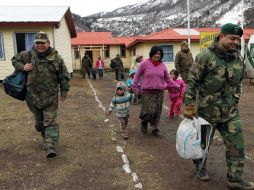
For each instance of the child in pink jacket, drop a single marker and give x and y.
(176, 96)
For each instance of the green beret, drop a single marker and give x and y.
(233, 29)
(184, 43)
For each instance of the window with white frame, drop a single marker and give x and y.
(24, 41)
(168, 54)
(1, 47)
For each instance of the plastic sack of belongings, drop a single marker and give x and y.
(189, 144)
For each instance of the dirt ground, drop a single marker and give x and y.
(87, 157)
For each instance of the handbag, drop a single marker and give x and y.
(15, 84)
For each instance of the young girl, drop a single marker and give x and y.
(120, 104)
(176, 96)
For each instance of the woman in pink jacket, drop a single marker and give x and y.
(176, 96)
(100, 66)
(154, 75)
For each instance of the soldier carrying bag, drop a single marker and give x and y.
(15, 84)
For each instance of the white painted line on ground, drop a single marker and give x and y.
(126, 166)
(96, 97)
(119, 149)
(125, 159)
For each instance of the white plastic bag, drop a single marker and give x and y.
(188, 138)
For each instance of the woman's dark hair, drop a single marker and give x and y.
(174, 72)
(154, 50)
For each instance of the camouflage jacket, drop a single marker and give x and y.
(216, 76)
(183, 61)
(48, 75)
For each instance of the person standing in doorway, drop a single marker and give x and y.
(46, 75)
(100, 66)
(86, 65)
(183, 61)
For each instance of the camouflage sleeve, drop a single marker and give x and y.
(238, 91)
(239, 85)
(195, 77)
(64, 77)
(177, 62)
(19, 60)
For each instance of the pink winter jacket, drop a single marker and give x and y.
(174, 93)
(153, 77)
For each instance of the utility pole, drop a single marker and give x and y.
(188, 12)
(242, 21)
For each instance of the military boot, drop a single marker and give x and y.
(50, 152)
(201, 174)
(239, 183)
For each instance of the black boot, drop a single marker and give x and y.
(156, 133)
(239, 183)
(144, 128)
(50, 152)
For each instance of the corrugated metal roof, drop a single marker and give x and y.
(176, 34)
(99, 38)
(32, 13)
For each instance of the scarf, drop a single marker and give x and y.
(155, 63)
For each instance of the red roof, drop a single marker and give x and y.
(99, 38)
(180, 34)
(171, 34)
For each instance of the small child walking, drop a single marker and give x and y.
(120, 104)
(176, 96)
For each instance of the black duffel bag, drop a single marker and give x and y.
(15, 85)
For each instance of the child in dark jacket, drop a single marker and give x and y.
(120, 104)
(176, 96)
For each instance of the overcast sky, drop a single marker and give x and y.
(81, 7)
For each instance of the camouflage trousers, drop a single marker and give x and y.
(232, 135)
(45, 123)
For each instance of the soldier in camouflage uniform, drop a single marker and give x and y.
(87, 65)
(46, 73)
(216, 75)
(118, 67)
(183, 61)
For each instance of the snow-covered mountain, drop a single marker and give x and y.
(154, 15)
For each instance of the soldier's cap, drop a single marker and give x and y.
(233, 29)
(184, 43)
(41, 37)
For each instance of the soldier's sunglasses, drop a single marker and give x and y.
(40, 43)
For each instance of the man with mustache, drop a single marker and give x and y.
(216, 75)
